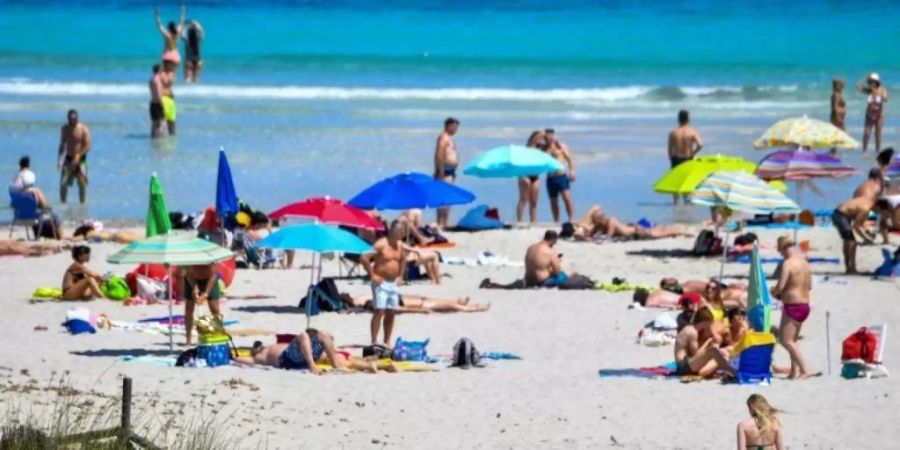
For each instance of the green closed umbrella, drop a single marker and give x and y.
(157, 211)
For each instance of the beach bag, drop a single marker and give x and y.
(410, 350)
(115, 288)
(376, 351)
(862, 344)
(150, 289)
(704, 243)
(578, 282)
(465, 354)
(745, 239)
(567, 231)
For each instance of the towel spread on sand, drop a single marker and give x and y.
(167, 361)
(485, 258)
(622, 287)
(811, 260)
(663, 371)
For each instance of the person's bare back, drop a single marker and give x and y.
(797, 280)
(684, 142)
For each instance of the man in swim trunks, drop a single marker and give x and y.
(793, 289)
(167, 97)
(559, 182)
(74, 145)
(385, 269)
(201, 284)
(300, 354)
(446, 160)
(872, 187)
(877, 97)
(543, 265)
(156, 108)
(691, 358)
(850, 217)
(192, 37)
(684, 144)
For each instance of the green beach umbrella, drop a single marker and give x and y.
(685, 177)
(759, 301)
(157, 212)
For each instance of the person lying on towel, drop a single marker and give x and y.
(596, 223)
(303, 352)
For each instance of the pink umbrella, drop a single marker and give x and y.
(329, 211)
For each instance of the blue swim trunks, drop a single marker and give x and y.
(449, 171)
(291, 358)
(557, 184)
(556, 280)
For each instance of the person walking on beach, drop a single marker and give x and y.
(193, 63)
(877, 97)
(530, 187)
(167, 95)
(446, 160)
(793, 289)
(71, 161)
(156, 109)
(684, 144)
(762, 431)
(838, 107)
(385, 269)
(559, 183)
(170, 34)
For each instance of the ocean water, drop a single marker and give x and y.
(314, 98)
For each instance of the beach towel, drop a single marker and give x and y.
(166, 361)
(497, 356)
(663, 371)
(46, 293)
(745, 259)
(485, 258)
(623, 287)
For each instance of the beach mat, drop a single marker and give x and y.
(745, 259)
(663, 371)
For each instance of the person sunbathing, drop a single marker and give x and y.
(418, 304)
(597, 223)
(429, 260)
(11, 247)
(733, 295)
(300, 354)
(693, 358)
(79, 281)
(89, 231)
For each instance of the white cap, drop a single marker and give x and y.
(874, 77)
(28, 178)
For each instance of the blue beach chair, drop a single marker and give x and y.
(756, 365)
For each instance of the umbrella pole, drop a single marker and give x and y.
(171, 299)
(828, 341)
(724, 253)
(309, 296)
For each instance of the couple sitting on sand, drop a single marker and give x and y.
(304, 351)
(543, 268)
(597, 224)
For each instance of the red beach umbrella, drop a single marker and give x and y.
(329, 211)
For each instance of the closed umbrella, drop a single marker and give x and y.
(801, 165)
(329, 211)
(226, 196)
(157, 213)
(411, 190)
(759, 300)
(316, 238)
(512, 161)
(743, 192)
(685, 177)
(169, 249)
(805, 132)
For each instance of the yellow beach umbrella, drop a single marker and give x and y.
(685, 177)
(805, 132)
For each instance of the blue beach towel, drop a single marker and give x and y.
(666, 371)
(745, 259)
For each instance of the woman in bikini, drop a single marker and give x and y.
(170, 34)
(79, 281)
(530, 187)
(762, 431)
(877, 97)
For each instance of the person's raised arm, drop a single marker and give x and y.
(159, 23)
(741, 439)
(180, 22)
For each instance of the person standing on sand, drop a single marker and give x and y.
(170, 34)
(156, 109)
(385, 269)
(762, 431)
(71, 161)
(684, 144)
(446, 160)
(793, 289)
(201, 284)
(530, 187)
(560, 182)
(193, 63)
(877, 97)
(167, 97)
(838, 106)
(849, 218)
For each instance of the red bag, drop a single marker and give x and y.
(860, 345)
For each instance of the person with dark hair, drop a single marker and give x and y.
(74, 145)
(167, 94)
(170, 35)
(79, 281)
(193, 63)
(693, 358)
(543, 267)
(684, 143)
(877, 97)
(849, 219)
(559, 183)
(838, 104)
(25, 180)
(446, 160)
(201, 285)
(872, 186)
(156, 108)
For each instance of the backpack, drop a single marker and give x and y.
(862, 344)
(707, 244)
(567, 231)
(327, 296)
(377, 351)
(465, 354)
(746, 239)
(410, 350)
(578, 282)
(115, 288)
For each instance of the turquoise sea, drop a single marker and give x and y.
(316, 98)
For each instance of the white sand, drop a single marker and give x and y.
(552, 399)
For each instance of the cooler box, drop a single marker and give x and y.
(214, 354)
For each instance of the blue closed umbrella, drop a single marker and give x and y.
(512, 161)
(226, 197)
(411, 190)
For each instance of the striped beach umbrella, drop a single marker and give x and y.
(741, 191)
(801, 165)
(685, 177)
(805, 132)
(893, 169)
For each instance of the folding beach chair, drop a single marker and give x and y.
(324, 296)
(350, 262)
(26, 212)
(755, 353)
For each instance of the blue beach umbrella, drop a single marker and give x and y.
(512, 161)
(226, 197)
(411, 190)
(759, 300)
(316, 238)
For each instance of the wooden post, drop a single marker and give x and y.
(126, 408)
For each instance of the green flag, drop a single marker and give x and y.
(157, 212)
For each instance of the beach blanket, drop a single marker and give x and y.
(812, 260)
(663, 371)
(166, 361)
(497, 356)
(623, 287)
(485, 258)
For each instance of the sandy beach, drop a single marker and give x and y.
(552, 398)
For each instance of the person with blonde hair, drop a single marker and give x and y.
(762, 430)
